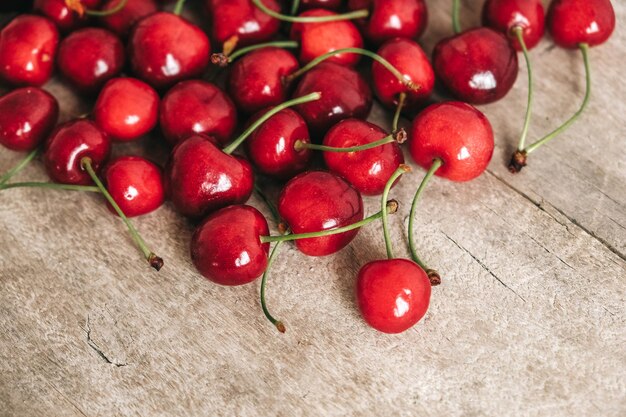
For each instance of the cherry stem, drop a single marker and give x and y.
(153, 260)
(402, 169)
(268, 203)
(396, 115)
(360, 51)
(51, 185)
(294, 102)
(279, 324)
(178, 9)
(433, 168)
(518, 31)
(357, 14)
(295, 5)
(20, 166)
(103, 13)
(397, 136)
(456, 26)
(223, 59)
(392, 207)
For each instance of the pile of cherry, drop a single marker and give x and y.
(290, 70)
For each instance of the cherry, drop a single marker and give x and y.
(505, 15)
(196, 106)
(256, 80)
(392, 18)
(68, 144)
(27, 115)
(62, 15)
(135, 184)
(243, 20)
(573, 22)
(478, 66)
(126, 109)
(318, 200)
(165, 48)
(122, 21)
(27, 50)
(226, 248)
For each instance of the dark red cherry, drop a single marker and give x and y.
(241, 18)
(226, 248)
(458, 134)
(319, 38)
(392, 294)
(28, 48)
(504, 15)
(68, 144)
(573, 22)
(256, 79)
(90, 57)
(165, 48)
(126, 109)
(27, 115)
(345, 94)
(135, 184)
(369, 170)
(478, 66)
(271, 145)
(321, 4)
(59, 12)
(196, 106)
(389, 19)
(316, 200)
(121, 22)
(200, 178)
(408, 58)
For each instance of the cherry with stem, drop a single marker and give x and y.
(20, 166)
(225, 57)
(357, 14)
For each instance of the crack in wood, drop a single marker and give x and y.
(95, 347)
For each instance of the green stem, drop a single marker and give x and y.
(272, 208)
(396, 115)
(295, 5)
(294, 102)
(392, 207)
(279, 324)
(456, 26)
(394, 137)
(103, 13)
(519, 34)
(153, 260)
(20, 166)
(51, 185)
(382, 61)
(357, 14)
(178, 9)
(277, 44)
(402, 169)
(584, 48)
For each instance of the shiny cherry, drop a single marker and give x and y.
(62, 15)
(315, 201)
(505, 15)
(241, 18)
(389, 19)
(68, 144)
(392, 294)
(256, 79)
(122, 21)
(27, 115)
(90, 57)
(457, 134)
(478, 66)
(126, 109)
(28, 47)
(226, 248)
(165, 48)
(200, 178)
(196, 106)
(573, 22)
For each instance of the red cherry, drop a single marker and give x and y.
(90, 57)
(368, 170)
(126, 109)
(344, 92)
(64, 17)
(389, 19)
(256, 79)
(122, 21)
(27, 115)
(135, 184)
(165, 48)
(573, 22)
(321, 4)
(241, 18)
(319, 38)
(196, 106)
(408, 58)
(504, 15)
(28, 47)
(226, 248)
(458, 134)
(271, 145)
(318, 200)
(392, 294)
(68, 144)
(200, 178)
(478, 66)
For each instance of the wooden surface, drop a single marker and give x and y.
(529, 319)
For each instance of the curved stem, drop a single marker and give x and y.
(519, 34)
(402, 169)
(153, 260)
(272, 208)
(294, 102)
(396, 115)
(295, 5)
(103, 13)
(51, 185)
(20, 166)
(399, 136)
(279, 324)
(456, 26)
(178, 9)
(357, 14)
(382, 61)
(277, 44)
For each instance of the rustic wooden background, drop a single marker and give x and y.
(529, 319)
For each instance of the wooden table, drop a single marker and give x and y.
(529, 319)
